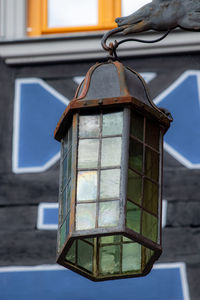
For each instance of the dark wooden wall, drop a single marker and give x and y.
(20, 194)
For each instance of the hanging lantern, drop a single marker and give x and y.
(111, 176)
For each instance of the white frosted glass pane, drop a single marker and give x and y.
(108, 214)
(112, 123)
(130, 6)
(89, 126)
(87, 186)
(85, 216)
(111, 152)
(68, 13)
(109, 184)
(88, 153)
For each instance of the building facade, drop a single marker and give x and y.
(42, 62)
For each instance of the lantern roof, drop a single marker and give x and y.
(112, 79)
(108, 84)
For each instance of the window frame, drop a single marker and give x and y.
(37, 18)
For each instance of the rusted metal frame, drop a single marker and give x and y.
(61, 190)
(97, 138)
(142, 196)
(144, 130)
(78, 269)
(123, 174)
(161, 184)
(100, 231)
(143, 142)
(74, 172)
(118, 233)
(69, 178)
(87, 80)
(125, 162)
(61, 257)
(76, 105)
(95, 258)
(121, 76)
(88, 274)
(118, 243)
(67, 245)
(100, 201)
(152, 260)
(143, 175)
(60, 207)
(95, 169)
(86, 241)
(141, 239)
(142, 208)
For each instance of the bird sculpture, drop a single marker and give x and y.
(163, 15)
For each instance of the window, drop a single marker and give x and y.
(60, 16)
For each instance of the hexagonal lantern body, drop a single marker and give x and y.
(110, 181)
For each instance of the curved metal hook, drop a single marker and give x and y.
(113, 47)
(107, 35)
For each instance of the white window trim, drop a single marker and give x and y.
(40, 219)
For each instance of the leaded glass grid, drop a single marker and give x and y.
(108, 256)
(99, 170)
(65, 188)
(142, 213)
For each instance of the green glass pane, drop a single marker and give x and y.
(71, 254)
(110, 259)
(88, 153)
(151, 164)
(134, 190)
(133, 216)
(85, 216)
(67, 224)
(64, 175)
(112, 123)
(65, 144)
(111, 152)
(70, 136)
(136, 155)
(68, 194)
(64, 204)
(90, 240)
(111, 239)
(150, 201)
(152, 134)
(125, 239)
(69, 164)
(131, 257)
(110, 184)
(108, 214)
(87, 186)
(149, 226)
(137, 126)
(147, 253)
(89, 126)
(85, 255)
(62, 234)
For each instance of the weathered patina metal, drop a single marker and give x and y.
(109, 88)
(131, 90)
(159, 15)
(163, 15)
